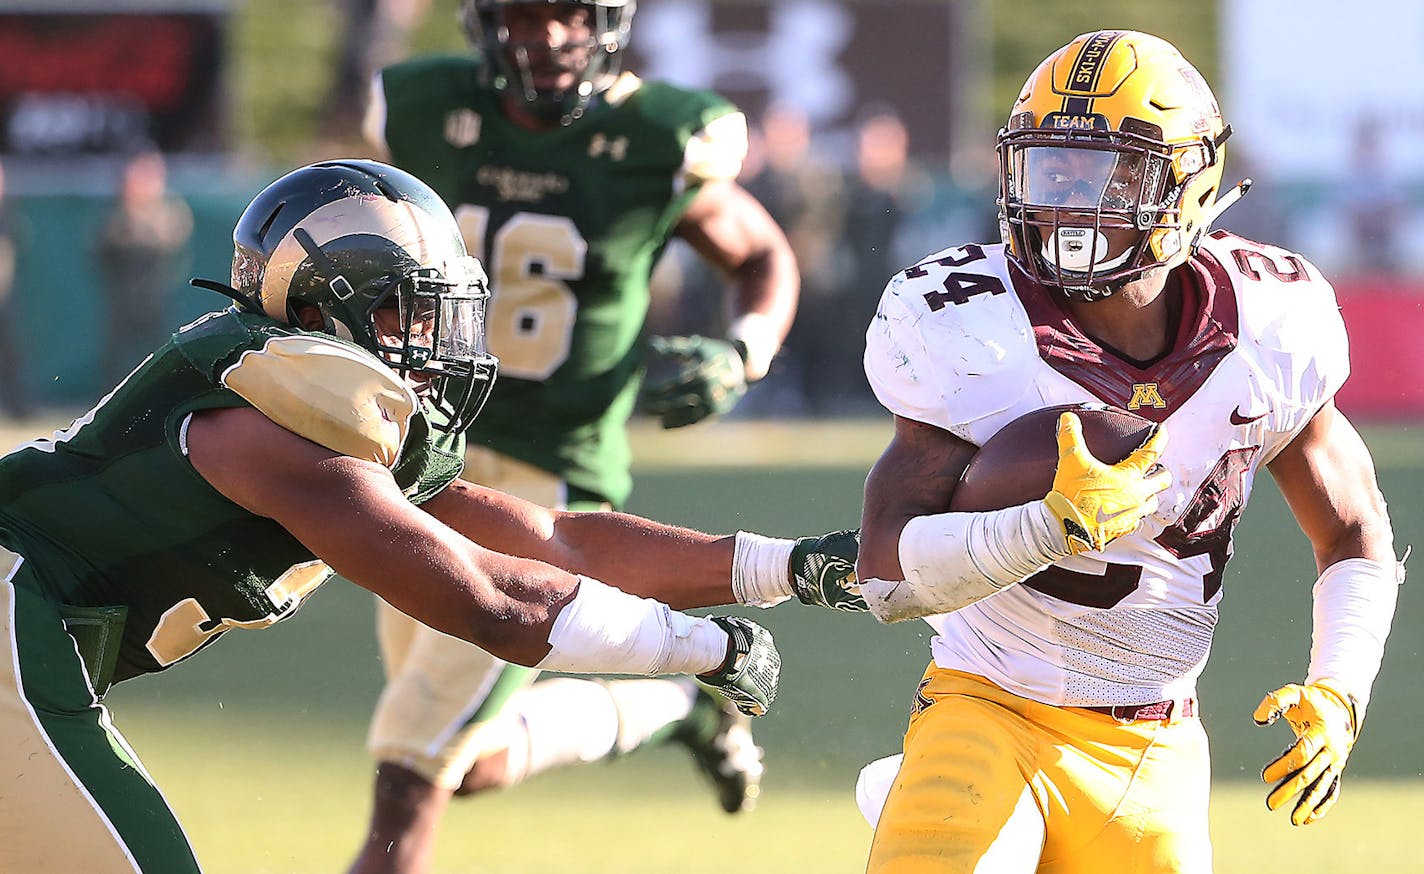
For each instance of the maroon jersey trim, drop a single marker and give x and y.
(1208, 332)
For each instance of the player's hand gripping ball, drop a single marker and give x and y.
(1092, 464)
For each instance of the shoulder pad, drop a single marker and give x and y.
(699, 130)
(1287, 306)
(951, 359)
(626, 85)
(716, 152)
(1290, 324)
(462, 69)
(328, 392)
(424, 85)
(685, 109)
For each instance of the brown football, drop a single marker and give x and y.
(1017, 464)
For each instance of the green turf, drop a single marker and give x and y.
(288, 796)
(257, 742)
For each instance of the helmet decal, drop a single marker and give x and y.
(1087, 70)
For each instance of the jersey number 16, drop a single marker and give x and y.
(531, 314)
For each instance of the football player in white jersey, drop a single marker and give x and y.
(1071, 630)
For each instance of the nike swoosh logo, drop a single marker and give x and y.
(1108, 517)
(1238, 419)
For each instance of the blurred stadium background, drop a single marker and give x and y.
(259, 742)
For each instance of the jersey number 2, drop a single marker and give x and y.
(532, 309)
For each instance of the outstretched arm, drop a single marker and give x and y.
(675, 565)
(679, 566)
(352, 515)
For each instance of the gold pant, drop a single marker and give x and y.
(992, 782)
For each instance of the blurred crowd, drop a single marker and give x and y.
(1356, 226)
(139, 254)
(856, 220)
(853, 219)
(855, 209)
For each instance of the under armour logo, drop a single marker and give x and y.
(795, 61)
(616, 148)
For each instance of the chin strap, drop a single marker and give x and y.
(1223, 203)
(247, 303)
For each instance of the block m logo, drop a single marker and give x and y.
(1145, 394)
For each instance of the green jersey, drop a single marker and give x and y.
(110, 513)
(569, 223)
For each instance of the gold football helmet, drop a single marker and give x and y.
(1110, 163)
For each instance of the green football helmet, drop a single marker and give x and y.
(352, 237)
(512, 66)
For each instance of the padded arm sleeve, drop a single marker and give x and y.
(1353, 612)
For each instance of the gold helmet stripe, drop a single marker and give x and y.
(425, 237)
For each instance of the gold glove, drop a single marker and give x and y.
(1097, 503)
(1324, 721)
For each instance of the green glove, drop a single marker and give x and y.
(823, 571)
(752, 671)
(691, 378)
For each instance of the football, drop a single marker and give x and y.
(1017, 464)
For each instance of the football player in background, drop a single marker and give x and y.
(1056, 725)
(317, 425)
(568, 177)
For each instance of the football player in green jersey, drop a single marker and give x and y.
(315, 426)
(568, 176)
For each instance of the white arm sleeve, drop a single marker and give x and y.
(761, 570)
(951, 560)
(604, 630)
(1353, 611)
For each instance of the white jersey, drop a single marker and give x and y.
(966, 343)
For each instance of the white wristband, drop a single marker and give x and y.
(761, 338)
(761, 570)
(951, 560)
(604, 630)
(1353, 610)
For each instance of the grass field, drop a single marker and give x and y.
(258, 742)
